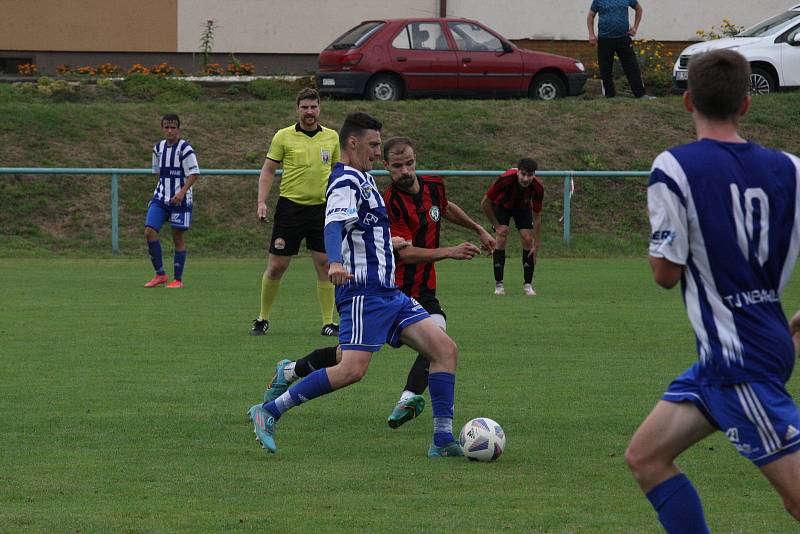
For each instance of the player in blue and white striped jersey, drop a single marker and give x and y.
(372, 310)
(725, 216)
(175, 163)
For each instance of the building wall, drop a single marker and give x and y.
(89, 25)
(278, 26)
(673, 20)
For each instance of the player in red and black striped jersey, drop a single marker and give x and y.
(416, 206)
(516, 194)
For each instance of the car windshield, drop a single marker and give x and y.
(765, 28)
(356, 36)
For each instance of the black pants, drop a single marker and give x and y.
(622, 47)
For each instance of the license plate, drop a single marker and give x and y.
(682, 75)
(328, 82)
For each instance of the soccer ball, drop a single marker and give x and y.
(482, 439)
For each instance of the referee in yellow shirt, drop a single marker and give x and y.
(306, 150)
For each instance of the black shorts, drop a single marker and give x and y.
(523, 218)
(294, 222)
(431, 304)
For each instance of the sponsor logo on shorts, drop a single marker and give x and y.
(416, 305)
(175, 217)
(325, 155)
(791, 433)
(733, 436)
(279, 243)
(434, 213)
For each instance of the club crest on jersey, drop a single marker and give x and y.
(325, 155)
(366, 191)
(434, 213)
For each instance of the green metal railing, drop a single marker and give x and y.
(115, 173)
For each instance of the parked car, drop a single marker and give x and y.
(772, 47)
(395, 58)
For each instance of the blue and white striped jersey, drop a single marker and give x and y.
(729, 213)
(353, 197)
(173, 164)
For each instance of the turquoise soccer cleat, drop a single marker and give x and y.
(278, 385)
(451, 449)
(406, 410)
(264, 427)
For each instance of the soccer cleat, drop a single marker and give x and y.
(175, 284)
(451, 449)
(278, 385)
(259, 328)
(406, 410)
(159, 279)
(264, 427)
(331, 329)
(528, 290)
(499, 289)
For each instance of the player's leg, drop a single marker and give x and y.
(156, 215)
(287, 371)
(426, 337)
(179, 257)
(524, 222)
(630, 65)
(670, 429)
(605, 61)
(784, 475)
(499, 255)
(315, 241)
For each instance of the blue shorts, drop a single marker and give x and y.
(760, 418)
(366, 322)
(179, 217)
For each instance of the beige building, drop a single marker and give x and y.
(284, 36)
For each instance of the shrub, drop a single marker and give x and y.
(726, 29)
(64, 70)
(271, 89)
(109, 69)
(138, 69)
(28, 69)
(86, 71)
(165, 69)
(149, 87)
(63, 91)
(107, 88)
(213, 69)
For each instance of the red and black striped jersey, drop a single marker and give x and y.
(417, 218)
(507, 193)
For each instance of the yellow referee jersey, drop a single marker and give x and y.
(307, 162)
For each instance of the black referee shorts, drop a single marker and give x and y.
(431, 304)
(294, 222)
(523, 218)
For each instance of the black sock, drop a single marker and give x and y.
(499, 257)
(527, 266)
(317, 359)
(417, 379)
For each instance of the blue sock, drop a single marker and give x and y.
(442, 387)
(678, 505)
(154, 247)
(180, 261)
(314, 385)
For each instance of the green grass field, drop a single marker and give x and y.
(123, 409)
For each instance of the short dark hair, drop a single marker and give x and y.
(718, 83)
(528, 165)
(395, 145)
(355, 124)
(307, 93)
(170, 117)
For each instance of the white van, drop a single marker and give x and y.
(772, 47)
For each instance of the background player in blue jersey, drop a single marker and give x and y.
(725, 216)
(372, 309)
(176, 165)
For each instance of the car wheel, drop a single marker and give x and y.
(384, 87)
(547, 86)
(761, 82)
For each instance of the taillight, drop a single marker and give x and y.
(350, 60)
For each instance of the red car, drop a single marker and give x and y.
(394, 58)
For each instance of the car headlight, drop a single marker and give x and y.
(580, 66)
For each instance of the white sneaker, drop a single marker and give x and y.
(528, 290)
(499, 289)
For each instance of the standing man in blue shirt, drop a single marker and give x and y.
(725, 217)
(614, 36)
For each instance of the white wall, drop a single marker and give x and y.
(670, 20)
(284, 26)
(307, 26)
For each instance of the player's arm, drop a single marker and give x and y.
(590, 26)
(456, 215)
(190, 180)
(537, 233)
(265, 180)
(412, 254)
(794, 330)
(665, 273)
(636, 19)
(486, 204)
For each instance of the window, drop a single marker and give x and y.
(421, 36)
(768, 25)
(356, 36)
(472, 38)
